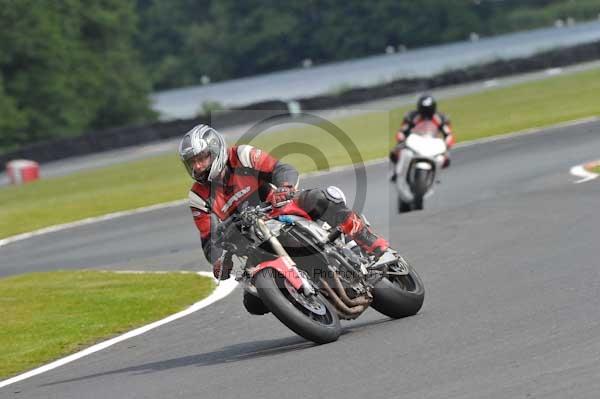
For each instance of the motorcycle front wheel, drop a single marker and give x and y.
(420, 187)
(403, 207)
(310, 316)
(399, 296)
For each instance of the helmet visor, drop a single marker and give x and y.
(199, 165)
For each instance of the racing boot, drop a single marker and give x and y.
(371, 243)
(254, 305)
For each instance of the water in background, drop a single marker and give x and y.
(296, 83)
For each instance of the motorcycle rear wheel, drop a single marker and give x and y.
(399, 296)
(311, 317)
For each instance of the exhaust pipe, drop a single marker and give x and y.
(344, 296)
(349, 308)
(345, 311)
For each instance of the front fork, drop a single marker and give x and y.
(284, 264)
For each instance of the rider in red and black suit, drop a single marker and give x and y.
(247, 176)
(227, 177)
(426, 111)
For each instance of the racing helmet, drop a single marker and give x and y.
(426, 105)
(203, 152)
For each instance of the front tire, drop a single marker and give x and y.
(399, 296)
(418, 203)
(311, 317)
(420, 187)
(403, 207)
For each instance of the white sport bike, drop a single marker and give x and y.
(421, 158)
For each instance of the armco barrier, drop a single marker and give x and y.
(99, 141)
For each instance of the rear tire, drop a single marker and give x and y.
(399, 296)
(313, 318)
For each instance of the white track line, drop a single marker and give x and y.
(583, 173)
(224, 289)
(508, 136)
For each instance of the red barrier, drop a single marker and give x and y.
(22, 171)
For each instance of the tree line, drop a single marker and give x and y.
(68, 66)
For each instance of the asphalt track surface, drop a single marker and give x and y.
(508, 251)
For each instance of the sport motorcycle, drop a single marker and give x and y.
(418, 166)
(310, 275)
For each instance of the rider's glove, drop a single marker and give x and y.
(278, 196)
(400, 137)
(222, 268)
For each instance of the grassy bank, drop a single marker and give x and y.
(79, 308)
(160, 179)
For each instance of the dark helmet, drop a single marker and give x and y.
(426, 105)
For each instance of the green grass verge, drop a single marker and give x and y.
(48, 315)
(161, 179)
(59, 200)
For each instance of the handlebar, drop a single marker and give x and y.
(244, 216)
(225, 225)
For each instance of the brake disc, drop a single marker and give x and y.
(309, 302)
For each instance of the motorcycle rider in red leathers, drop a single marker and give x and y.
(227, 177)
(426, 111)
